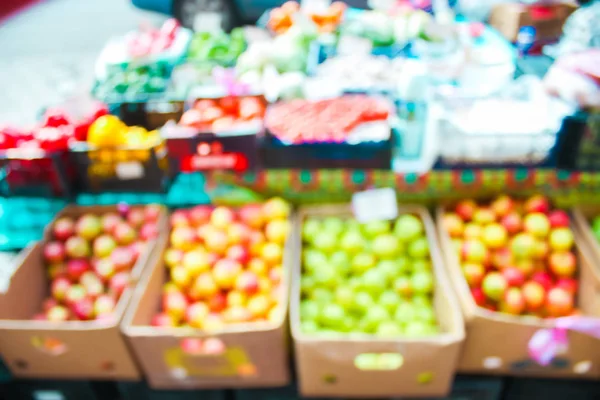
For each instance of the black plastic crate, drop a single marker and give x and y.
(141, 391)
(50, 390)
(551, 389)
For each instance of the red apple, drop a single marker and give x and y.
(77, 247)
(526, 266)
(514, 276)
(200, 215)
(163, 320)
(217, 242)
(103, 246)
(88, 227)
(502, 206)
(561, 239)
(175, 305)
(494, 236)
(236, 314)
(252, 215)
(74, 294)
(568, 284)
(183, 238)
(48, 303)
(544, 279)
(104, 305)
(238, 253)
(54, 252)
(502, 258)
(195, 314)
(238, 234)
(152, 212)
(559, 303)
(217, 303)
(453, 224)
(59, 288)
(484, 216)
(559, 219)
(109, 221)
(472, 231)
(118, 283)
(135, 217)
(534, 295)
(179, 218)
(494, 286)
(563, 264)
(149, 231)
(122, 258)
(540, 250)
(225, 273)
(513, 302)
(57, 270)
(77, 267)
(256, 243)
(58, 314)
(522, 245)
(83, 309)
(247, 282)
(537, 204)
(478, 296)
(512, 223)
(105, 269)
(124, 234)
(63, 228)
(173, 257)
(474, 251)
(537, 224)
(204, 287)
(221, 217)
(137, 248)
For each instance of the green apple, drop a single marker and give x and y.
(408, 228)
(386, 246)
(417, 329)
(421, 265)
(421, 300)
(326, 276)
(403, 286)
(422, 282)
(332, 316)
(340, 261)
(362, 262)
(328, 334)
(333, 225)
(362, 301)
(390, 300)
(321, 295)
(425, 314)
(349, 324)
(388, 329)
(352, 225)
(314, 259)
(390, 268)
(344, 296)
(352, 242)
(375, 228)
(374, 316)
(309, 327)
(325, 241)
(367, 361)
(419, 248)
(310, 228)
(374, 281)
(404, 264)
(307, 284)
(309, 310)
(405, 313)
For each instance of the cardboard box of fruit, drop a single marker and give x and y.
(59, 317)
(520, 273)
(211, 311)
(372, 314)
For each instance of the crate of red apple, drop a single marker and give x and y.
(217, 295)
(72, 289)
(38, 156)
(352, 131)
(217, 133)
(516, 267)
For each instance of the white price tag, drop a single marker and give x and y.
(375, 205)
(48, 395)
(314, 6)
(354, 45)
(321, 89)
(129, 170)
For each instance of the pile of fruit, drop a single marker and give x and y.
(374, 278)
(331, 120)
(89, 261)
(222, 114)
(225, 266)
(109, 131)
(516, 256)
(282, 18)
(217, 48)
(147, 79)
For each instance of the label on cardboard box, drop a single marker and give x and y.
(129, 170)
(375, 205)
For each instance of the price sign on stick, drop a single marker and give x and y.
(375, 205)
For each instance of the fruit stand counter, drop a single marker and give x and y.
(307, 186)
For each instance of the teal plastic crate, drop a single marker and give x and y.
(188, 190)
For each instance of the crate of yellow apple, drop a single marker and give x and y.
(117, 157)
(516, 267)
(218, 290)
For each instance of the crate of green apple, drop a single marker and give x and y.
(71, 290)
(369, 299)
(219, 290)
(516, 266)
